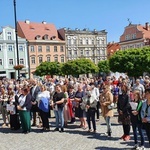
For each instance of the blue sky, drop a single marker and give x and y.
(111, 15)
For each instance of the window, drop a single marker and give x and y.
(11, 62)
(45, 37)
(92, 42)
(69, 41)
(62, 59)
(75, 53)
(93, 53)
(87, 53)
(10, 48)
(32, 48)
(39, 48)
(47, 48)
(22, 61)
(81, 52)
(134, 36)
(103, 42)
(81, 42)
(61, 48)
(1, 63)
(48, 58)
(56, 58)
(103, 51)
(87, 41)
(55, 48)
(32, 60)
(20, 48)
(75, 42)
(98, 52)
(69, 53)
(0, 48)
(9, 36)
(98, 42)
(40, 59)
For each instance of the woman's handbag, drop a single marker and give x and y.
(111, 106)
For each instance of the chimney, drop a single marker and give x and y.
(44, 22)
(27, 21)
(147, 26)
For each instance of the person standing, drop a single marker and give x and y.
(90, 108)
(24, 108)
(106, 99)
(123, 108)
(58, 106)
(145, 113)
(80, 112)
(43, 104)
(4, 102)
(135, 113)
(34, 93)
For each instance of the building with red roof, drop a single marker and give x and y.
(112, 48)
(135, 36)
(43, 43)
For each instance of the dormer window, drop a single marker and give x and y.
(45, 37)
(9, 36)
(53, 37)
(37, 37)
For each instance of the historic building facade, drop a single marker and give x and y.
(135, 36)
(43, 43)
(84, 44)
(8, 54)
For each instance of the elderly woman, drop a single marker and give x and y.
(106, 99)
(145, 113)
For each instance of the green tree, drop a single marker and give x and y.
(79, 66)
(104, 66)
(48, 68)
(134, 62)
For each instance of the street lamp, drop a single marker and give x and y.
(16, 31)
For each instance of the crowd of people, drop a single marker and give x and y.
(24, 102)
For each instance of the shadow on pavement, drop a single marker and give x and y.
(109, 148)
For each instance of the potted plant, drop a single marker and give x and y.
(18, 67)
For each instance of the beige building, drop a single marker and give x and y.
(43, 43)
(85, 43)
(135, 36)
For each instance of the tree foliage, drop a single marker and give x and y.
(79, 66)
(134, 62)
(104, 66)
(48, 68)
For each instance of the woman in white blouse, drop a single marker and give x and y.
(43, 103)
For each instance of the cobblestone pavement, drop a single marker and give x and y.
(74, 138)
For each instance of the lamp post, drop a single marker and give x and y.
(16, 31)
